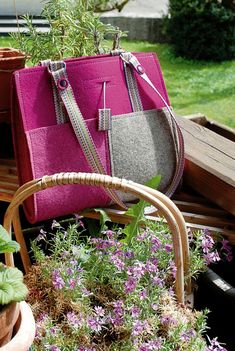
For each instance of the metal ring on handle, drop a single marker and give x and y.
(157, 199)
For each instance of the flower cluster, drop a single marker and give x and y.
(102, 294)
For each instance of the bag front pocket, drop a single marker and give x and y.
(142, 146)
(55, 149)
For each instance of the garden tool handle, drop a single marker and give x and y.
(160, 201)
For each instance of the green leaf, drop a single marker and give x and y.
(103, 217)
(81, 253)
(6, 293)
(137, 212)
(12, 287)
(6, 244)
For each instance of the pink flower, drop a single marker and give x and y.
(130, 285)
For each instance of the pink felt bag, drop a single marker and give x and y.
(105, 114)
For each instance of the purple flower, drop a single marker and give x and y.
(152, 345)
(117, 321)
(168, 247)
(154, 306)
(110, 234)
(187, 335)
(118, 307)
(156, 244)
(130, 285)
(86, 292)
(53, 330)
(69, 271)
(139, 327)
(72, 283)
(73, 320)
(52, 347)
(150, 267)
(94, 323)
(137, 270)
(42, 317)
(119, 264)
(129, 254)
(211, 257)
(142, 236)
(167, 320)
(215, 346)
(135, 311)
(143, 294)
(158, 281)
(57, 280)
(207, 242)
(99, 311)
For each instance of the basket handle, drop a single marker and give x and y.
(160, 201)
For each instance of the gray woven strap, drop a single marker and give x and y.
(133, 90)
(81, 131)
(130, 60)
(60, 113)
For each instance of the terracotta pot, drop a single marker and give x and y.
(10, 60)
(24, 331)
(8, 317)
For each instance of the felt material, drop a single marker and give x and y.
(59, 147)
(39, 152)
(142, 146)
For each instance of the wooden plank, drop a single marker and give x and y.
(192, 207)
(10, 178)
(209, 150)
(210, 166)
(6, 195)
(210, 186)
(117, 217)
(8, 186)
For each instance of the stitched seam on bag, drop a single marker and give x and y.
(150, 114)
(28, 71)
(138, 113)
(111, 152)
(27, 136)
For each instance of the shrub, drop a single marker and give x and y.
(202, 29)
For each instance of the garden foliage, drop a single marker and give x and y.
(74, 31)
(202, 29)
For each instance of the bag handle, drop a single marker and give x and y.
(130, 60)
(60, 77)
(171, 213)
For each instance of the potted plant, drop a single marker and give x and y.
(74, 30)
(10, 60)
(16, 320)
(112, 290)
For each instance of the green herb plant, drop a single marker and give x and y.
(12, 288)
(74, 31)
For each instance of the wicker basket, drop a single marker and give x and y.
(167, 208)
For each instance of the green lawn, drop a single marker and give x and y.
(193, 86)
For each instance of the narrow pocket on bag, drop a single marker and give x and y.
(142, 146)
(55, 149)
